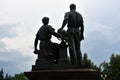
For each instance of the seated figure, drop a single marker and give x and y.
(49, 49)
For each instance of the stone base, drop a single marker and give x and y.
(56, 67)
(67, 74)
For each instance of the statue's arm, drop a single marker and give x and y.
(65, 21)
(59, 35)
(36, 43)
(52, 32)
(82, 30)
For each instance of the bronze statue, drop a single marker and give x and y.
(75, 31)
(44, 34)
(49, 49)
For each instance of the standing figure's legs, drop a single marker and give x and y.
(79, 55)
(72, 50)
(77, 48)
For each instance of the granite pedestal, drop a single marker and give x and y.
(47, 69)
(67, 74)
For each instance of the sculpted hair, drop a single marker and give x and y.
(72, 6)
(45, 20)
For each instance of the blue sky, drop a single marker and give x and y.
(20, 20)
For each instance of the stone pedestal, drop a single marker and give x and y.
(48, 69)
(67, 74)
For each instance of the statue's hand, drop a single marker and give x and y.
(59, 30)
(81, 37)
(36, 51)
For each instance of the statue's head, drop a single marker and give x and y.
(45, 20)
(72, 7)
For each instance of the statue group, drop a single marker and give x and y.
(72, 38)
(53, 62)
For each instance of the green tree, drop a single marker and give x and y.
(112, 68)
(87, 63)
(1, 74)
(8, 77)
(115, 67)
(19, 77)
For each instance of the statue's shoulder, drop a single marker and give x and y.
(50, 28)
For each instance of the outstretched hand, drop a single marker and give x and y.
(63, 34)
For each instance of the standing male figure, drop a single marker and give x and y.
(75, 30)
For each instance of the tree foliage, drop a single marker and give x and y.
(7, 77)
(87, 63)
(19, 77)
(1, 74)
(112, 68)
